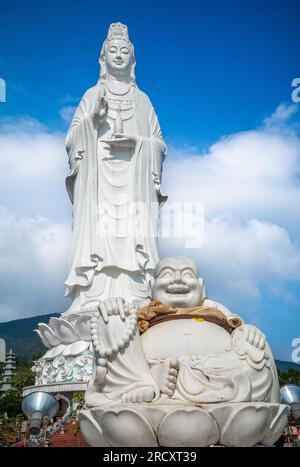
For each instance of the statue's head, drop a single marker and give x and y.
(117, 54)
(177, 283)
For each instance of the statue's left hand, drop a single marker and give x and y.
(121, 140)
(128, 136)
(254, 336)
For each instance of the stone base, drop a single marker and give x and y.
(177, 425)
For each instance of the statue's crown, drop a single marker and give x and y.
(118, 31)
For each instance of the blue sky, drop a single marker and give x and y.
(216, 72)
(211, 68)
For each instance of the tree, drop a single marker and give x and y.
(291, 376)
(10, 403)
(78, 401)
(22, 378)
(11, 414)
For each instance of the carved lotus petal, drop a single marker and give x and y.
(91, 430)
(63, 330)
(46, 343)
(126, 427)
(76, 348)
(278, 424)
(48, 335)
(82, 328)
(54, 352)
(246, 426)
(72, 318)
(249, 423)
(188, 427)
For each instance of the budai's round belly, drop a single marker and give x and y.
(174, 338)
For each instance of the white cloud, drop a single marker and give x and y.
(33, 252)
(251, 174)
(239, 259)
(282, 114)
(249, 185)
(67, 113)
(33, 169)
(35, 219)
(32, 242)
(67, 99)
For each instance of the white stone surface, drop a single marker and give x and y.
(177, 425)
(191, 338)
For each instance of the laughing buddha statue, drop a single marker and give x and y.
(187, 358)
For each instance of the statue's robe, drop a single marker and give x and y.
(113, 192)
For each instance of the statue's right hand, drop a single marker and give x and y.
(112, 306)
(101, 109)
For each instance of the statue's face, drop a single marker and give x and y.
(177, 283)
(118, 57)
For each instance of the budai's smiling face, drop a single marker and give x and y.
(177, 283)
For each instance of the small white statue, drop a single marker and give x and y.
(116, 151)
(181, 356)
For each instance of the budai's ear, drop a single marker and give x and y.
(203, 288)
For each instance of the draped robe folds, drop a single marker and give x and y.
(104, 261)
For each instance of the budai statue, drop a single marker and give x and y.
(181, 371)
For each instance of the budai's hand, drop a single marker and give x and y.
(254, 336)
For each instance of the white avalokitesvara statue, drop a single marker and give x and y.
(192, 352)
(116, 152)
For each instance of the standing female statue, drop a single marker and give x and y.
(116, 152)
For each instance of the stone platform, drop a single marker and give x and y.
(177, 425)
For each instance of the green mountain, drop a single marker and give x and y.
(19, 336)
(26, 344)
(285, 366)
